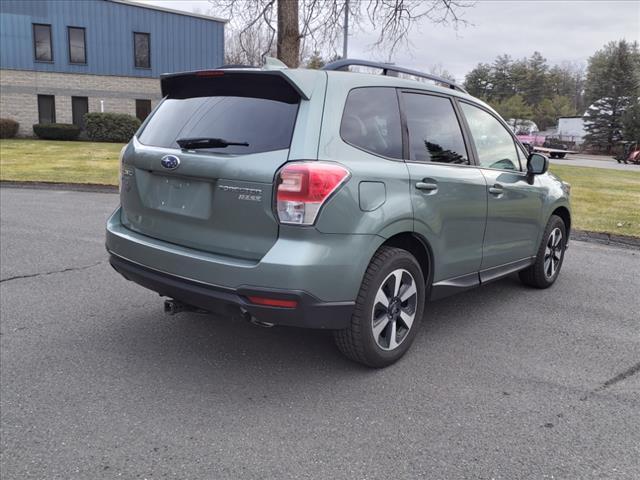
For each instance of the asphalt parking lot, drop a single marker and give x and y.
(502, 382)
(595, 161)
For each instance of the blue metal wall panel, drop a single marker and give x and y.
(178, 42)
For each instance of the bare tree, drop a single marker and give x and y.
(297, 26)
(250, 48)
(438, 69)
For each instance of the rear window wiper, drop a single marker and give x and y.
(191, 143)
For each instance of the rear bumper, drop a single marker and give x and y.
(309, 312)
(322, 272)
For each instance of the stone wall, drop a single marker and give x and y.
(19, 90)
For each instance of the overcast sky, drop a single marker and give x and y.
(560, 30)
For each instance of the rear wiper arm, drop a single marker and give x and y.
(191, 143)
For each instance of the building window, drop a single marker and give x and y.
(77, 45)
(141, 50)
(79, 108)
(46, 109)
(42, 48)
(143, 109)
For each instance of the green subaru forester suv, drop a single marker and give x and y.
(331, 199)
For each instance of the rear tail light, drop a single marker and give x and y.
(303, 187)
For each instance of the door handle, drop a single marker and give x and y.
(426, 186)
(496, 189)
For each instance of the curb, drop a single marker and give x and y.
(605, 238)
(74, 187)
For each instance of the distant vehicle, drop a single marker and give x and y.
(630, 153)
(331, 200)
(554, 147)
(553, 152)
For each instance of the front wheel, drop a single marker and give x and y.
(544, 272)
(388, 310)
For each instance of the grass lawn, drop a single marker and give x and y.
(59, 161)
(601, 198)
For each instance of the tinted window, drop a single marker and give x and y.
(434, 132)
(46, 109)
(371, 121)
(42, 43)
(494, 144)
(141, 50)
(77, 50)
(264, 124)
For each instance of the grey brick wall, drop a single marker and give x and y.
(19, 90)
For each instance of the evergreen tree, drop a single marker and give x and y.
(519, 72)
(613, 80)
(478, 81)
(547, 112)
(536, 79)
(315, 61)
(514, 108)
(501, 81)
(631, 121)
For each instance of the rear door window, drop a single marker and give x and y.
(434, 131)
(266, 125)
(371, 121)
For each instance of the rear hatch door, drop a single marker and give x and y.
(216, 199)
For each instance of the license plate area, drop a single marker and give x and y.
(177, 195)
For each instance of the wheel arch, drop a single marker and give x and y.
(564, 213)
(418, 247)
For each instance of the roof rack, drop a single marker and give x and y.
(387, 68)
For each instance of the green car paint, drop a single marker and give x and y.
(211, 222)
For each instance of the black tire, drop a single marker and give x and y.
(553, 155)
(562, 155)
(538, 275)
(357, 342)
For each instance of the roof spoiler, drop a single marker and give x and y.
(237, 81)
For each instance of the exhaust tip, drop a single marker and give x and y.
(171, 307)
(253, 320)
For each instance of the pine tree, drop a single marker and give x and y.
(502, 84)
(536, 85)
(514, 108)
(613, 80)
(631, 121)
(547, 112)
(478, 81)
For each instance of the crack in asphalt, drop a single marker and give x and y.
(41, 274)
(618, 378)
(613, 380)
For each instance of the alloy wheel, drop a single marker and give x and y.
(553, 253)
(394, 309)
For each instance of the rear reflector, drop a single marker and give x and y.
(273, 302)
(303, 187)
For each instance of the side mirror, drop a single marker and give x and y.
(537, 164)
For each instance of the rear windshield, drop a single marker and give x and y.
(265, 125)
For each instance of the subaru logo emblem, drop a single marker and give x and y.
(170, 162)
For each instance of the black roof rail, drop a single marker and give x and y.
(387, 67)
